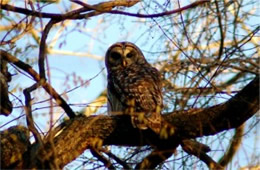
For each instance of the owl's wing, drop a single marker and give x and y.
(114, 105)
(148, 99)
(143, 86)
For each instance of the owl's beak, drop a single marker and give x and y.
(124, 63)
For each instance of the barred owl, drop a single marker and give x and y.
(134, 86)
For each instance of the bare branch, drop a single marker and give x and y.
(195, 4)
(75, 14)
(222, 34)
(118, 160)
(234, 145)
(95, 152)
(28, 69)
(42, 51)
(199, 150)
(157, 157)
(105, 7)
(28, 111)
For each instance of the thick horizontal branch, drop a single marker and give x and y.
(210, 121)
(82, 132)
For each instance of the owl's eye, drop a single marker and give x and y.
(130, 55)
(115, 55)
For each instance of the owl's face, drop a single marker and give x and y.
(122, 55)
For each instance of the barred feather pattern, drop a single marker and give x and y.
(133, 88)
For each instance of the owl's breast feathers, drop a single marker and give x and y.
(140, 83)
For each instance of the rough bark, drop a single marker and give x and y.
(14, 144)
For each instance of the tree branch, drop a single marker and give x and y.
(28, 111)
(78, 134)
(157, 157)
(166, 13)
(75, 14)
(199, 150)
(105, 7)
(28, 69)
(234, 146)
(43, 51)
(95, 152)
(209, 121)
(118, 160)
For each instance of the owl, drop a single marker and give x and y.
(134, 86)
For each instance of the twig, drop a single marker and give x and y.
(101, 158)
(183, 25)
(27, 27)
(36, 13)
(166, 13)
(42, 51)
(118, 160)
(234, 146)
(50, 90)
(199, 150)
(228, 53)
(158, 156)
(194, 145)
(222, 35)
(185, 54)
(28, 111)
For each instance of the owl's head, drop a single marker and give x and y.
(122, 55)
